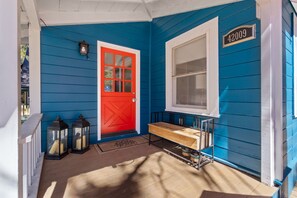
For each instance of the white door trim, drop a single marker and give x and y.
(125, 49)
(271, 90)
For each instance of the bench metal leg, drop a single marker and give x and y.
(150, 138)
(199, 161)
(212, 159)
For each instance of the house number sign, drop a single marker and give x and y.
(239, 35)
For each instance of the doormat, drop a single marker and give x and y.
(123, 143)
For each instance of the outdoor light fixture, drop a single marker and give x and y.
(83, 48)
(57, 139)
(80, 135)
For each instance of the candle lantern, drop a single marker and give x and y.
(81, 135)
(57, 139)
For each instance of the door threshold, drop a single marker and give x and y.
(118, 133)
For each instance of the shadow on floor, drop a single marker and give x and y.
(141, 171)
(56, 173)
(127, 188)
(211, 194)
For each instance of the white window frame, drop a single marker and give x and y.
(210, 30)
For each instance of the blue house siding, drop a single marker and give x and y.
(69, 80)
(237, 131)
(289, 122)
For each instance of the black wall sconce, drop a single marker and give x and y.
(83, 48)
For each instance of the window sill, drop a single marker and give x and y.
(201, 112)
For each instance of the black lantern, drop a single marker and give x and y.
(57, 139)
(83, 48)
(80, 135)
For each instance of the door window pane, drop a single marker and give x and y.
(108, 72)
(108, 85)
(128, 87)
(118, 72)
(108, 58)
(128, 61)
(191, 90)
(118, 86)
(119, 60)
(127, 74)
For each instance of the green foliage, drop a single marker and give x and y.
(23, 52)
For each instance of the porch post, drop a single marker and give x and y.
(270, 13)
(34, 55)
(34, 61)
(11, 151)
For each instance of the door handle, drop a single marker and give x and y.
(133, 99)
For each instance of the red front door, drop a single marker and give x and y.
(118, 92)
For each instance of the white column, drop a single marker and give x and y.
(11, 151)
(270, 12)
(277, 85)
(34, 80)
(34, 66)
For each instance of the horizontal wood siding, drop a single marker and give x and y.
(69, 80)
(238, 129)
(289, 122)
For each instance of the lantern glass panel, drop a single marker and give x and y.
(84, 137)
(88, 136)
(83, 49)
(64, 141)
(53, 142)
(77, 144)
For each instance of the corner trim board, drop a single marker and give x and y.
(295, 63)
(271, 91)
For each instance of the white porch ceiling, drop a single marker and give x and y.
(66, 12)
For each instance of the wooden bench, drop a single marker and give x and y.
(197, 139)
(185, 136)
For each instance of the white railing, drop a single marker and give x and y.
(32, 156)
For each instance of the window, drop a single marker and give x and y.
(192, 71)
(117, 73)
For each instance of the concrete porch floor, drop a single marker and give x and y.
(142, 171)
